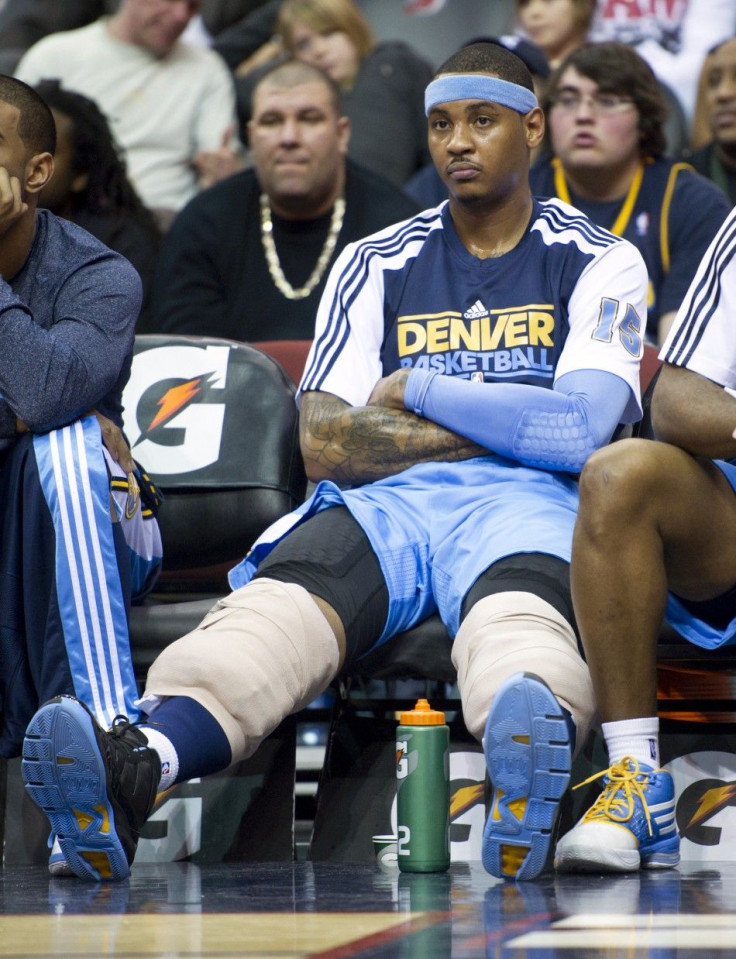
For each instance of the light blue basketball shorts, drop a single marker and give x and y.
(697, 631)
(437, 526)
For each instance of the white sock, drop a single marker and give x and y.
(638, 738)
(167, 754)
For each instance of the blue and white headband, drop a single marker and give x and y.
(478, 86)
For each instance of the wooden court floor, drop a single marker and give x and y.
(318, 910)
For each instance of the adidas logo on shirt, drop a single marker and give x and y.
(476, 311)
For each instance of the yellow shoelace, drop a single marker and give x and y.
(626, 781)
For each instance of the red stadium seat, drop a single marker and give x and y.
(291, 354)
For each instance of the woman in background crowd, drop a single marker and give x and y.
(556, 26)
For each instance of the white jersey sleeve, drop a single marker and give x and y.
(703, 336)
(345, 354)
(345, 358)
(607, 320)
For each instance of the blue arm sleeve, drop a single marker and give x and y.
(553, 429)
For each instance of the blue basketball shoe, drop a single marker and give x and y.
(96, 788)
(528, 755)
(631, 825)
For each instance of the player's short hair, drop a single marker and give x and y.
(490, 58)
(36, 126)
(293, 73)
(618, 68)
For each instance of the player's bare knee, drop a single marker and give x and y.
(616, 480)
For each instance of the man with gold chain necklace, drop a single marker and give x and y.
(605, 128)
(248, 258)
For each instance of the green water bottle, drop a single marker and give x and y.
(423, 790)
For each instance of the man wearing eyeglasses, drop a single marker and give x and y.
(605, 130)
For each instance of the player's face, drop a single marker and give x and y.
(13, 152)
(333, 52)
(590, 129)
(21, 173)
(720, 93)
(481, 149)
(299, 145)
(158, 24)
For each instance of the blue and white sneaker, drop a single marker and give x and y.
(631, 825)
(528, 755)
(95, 787)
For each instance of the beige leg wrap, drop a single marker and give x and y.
(515, 632)
(261, 653)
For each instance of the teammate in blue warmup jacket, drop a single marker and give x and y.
(466, 363)
(68, 307)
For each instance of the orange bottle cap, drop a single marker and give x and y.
(422, 715)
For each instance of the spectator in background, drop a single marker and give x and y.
(561, 26)
(717, 159)
(672, 37)
(700, 133)
(382, 83)
(24, 22)
(238, 42)
(219, 15)
(90, 185)
(427, 186)
(248, 259)
(556, 26)
(170, 106)
(605, 127)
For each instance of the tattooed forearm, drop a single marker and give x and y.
(358, 444)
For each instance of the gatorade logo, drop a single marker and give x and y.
(466, 798)
(172, 417)
(401, 766)
(699, 804)
(467, 803)
(705, 785)
(174, 830)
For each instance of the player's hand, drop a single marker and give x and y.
(389, 391)
(215, 165)
(112, 437)
(12, 205)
